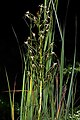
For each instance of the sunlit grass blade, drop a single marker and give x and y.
(23, 95)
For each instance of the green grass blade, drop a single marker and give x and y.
(23, 95)
(71, 83)
(11, 102)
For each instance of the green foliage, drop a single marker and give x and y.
(44, 90)
(39, 66)
(45, 80)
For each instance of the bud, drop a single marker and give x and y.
(53, 53)
(33, 65)
(26, 42)
(27, 14)
(32, 57)
(33, 34)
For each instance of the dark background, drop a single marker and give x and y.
(11, 14)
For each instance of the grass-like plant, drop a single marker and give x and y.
(44, 85)
(44, 90)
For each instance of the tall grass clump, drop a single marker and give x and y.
(41, 66)
(44, 88)
(46, 93)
